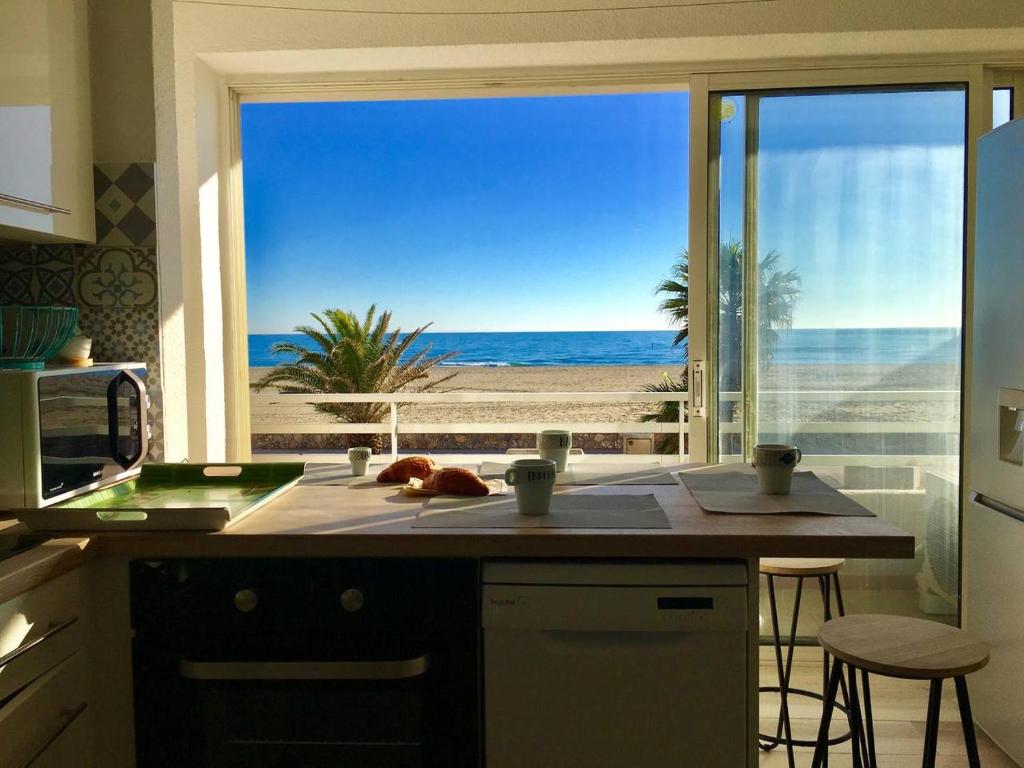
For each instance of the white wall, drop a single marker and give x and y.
(199, 49)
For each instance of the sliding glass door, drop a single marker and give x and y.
(839, 222)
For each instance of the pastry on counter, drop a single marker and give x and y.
(457, 481)
(404, 469)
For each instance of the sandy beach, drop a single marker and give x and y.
(850, 378)
(516, 379)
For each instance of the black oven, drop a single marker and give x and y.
(356, 662)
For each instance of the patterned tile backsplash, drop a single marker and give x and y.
(43, 274)
(125, 204)
(113, 284)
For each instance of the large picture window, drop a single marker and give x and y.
(519, 244)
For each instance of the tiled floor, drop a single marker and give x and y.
(899, 708)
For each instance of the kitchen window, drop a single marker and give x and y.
(528, 236)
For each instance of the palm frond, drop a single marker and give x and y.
(348, 354)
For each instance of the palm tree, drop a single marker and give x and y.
(667, 411)
(349, 355)
(676, 303)
(778, 293)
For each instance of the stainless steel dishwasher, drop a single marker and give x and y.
(615, 664)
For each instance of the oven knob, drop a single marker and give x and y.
(246, 600)
(352, 600)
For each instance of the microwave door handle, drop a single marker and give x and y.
(137, 384)
(113, 423)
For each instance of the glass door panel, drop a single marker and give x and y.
(840, 277)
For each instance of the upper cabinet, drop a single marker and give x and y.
(46, 190)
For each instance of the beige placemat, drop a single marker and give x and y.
(595, 474)
(567, 511)
(737, 493)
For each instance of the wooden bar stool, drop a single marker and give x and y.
(826, 571)
(898, 646)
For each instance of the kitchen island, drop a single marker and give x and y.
(377, 520)
(320, 523)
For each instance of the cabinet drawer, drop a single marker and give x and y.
(38, 629)
(37, 717)
(71, 747)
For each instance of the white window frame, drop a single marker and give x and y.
(237, 402)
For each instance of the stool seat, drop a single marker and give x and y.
(800, 566)
(904, 647)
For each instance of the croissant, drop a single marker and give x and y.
(456, 480)
(403, 469)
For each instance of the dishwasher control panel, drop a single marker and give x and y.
(620, 609)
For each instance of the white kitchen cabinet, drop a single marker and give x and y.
(46, 189)
(39, 629)
(34, 722)
(45, 683)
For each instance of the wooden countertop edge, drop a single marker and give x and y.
(34, 567)
(470, 543)
(45, 562)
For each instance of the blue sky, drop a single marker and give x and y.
(562, 213)
(861, 193)
(556, 213)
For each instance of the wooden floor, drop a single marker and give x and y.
(899, 709)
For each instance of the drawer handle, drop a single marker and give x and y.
(64, 720)
(24, 202)
(402, 669)
(55, 628)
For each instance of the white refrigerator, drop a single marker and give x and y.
(993, 520)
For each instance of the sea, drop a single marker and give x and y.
(809, 346)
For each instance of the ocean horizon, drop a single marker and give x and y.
(807, 346)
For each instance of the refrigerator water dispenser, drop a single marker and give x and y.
(1011, 425)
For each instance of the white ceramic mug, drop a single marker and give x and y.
(359, 460)
(534, 481)
(555, 444)
(775, 463)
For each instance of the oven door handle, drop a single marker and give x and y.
(401, 669)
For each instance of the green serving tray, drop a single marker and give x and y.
(197, 497)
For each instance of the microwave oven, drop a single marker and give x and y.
(67, 431)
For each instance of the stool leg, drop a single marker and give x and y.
(857, 744)
(826, 594)
(821, 748)
(825, 585)
(839, 594)
(784, 708)
(931, 729)
(967, 721)
(872, 760)
(784, 684)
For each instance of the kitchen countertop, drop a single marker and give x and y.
(44, 562)
(326, 520)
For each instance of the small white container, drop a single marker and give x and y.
(76, 350)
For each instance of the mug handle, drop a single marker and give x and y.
(799, 455)
(510, 476)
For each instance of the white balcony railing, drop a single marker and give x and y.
(266, 406)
